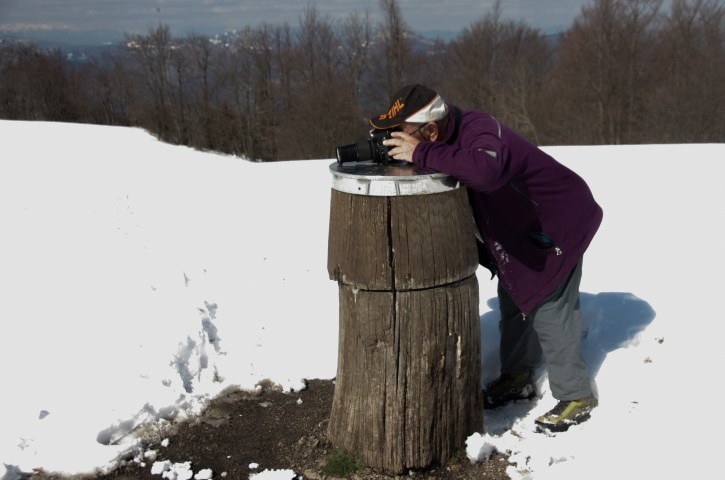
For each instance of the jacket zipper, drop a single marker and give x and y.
(529, 199)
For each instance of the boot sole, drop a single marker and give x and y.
(507, 400)
(562, 426)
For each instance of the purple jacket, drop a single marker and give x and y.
(536, 216)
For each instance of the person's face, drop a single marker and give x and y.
(414, 130)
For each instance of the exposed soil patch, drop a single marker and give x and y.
(273, 429)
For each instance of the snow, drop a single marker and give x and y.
(139, 279)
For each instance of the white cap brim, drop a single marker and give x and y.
(434, 111)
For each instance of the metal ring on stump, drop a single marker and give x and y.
(402, 248)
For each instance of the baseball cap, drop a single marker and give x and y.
(414, 104)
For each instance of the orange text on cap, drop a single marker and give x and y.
(397, 106)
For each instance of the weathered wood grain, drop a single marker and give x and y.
(401, 243)
(407, 390)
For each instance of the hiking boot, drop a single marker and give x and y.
(567, 413)
(507, 388)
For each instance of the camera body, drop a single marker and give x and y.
(364, 150)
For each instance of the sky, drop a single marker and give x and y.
(139, 279)
(218, 16)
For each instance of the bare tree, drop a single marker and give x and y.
(498, 66)
(150, 57)
(205, 83)
(688, 104)
(473, 63)
(320, 95)
(604, 72)
(102, 100)
(393, 57)
(528, 54)
(287, 69)
(36, 84)
(198, 77)
(356, 36)
(252, 91)
(179, 92)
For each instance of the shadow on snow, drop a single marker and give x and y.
(610, 320)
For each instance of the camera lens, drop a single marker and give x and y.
(355, 152)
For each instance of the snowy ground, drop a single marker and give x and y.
(139, 279)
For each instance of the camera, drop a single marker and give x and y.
(370, 149)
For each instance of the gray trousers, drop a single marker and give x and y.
(554, 330)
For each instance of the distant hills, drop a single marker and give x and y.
(79, 46)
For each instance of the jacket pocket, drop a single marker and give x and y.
(543, 242)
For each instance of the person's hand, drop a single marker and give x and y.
(402, 146)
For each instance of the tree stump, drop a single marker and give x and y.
(407, 391)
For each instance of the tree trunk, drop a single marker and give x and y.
(407, 392)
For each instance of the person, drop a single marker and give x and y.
(535, 219)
